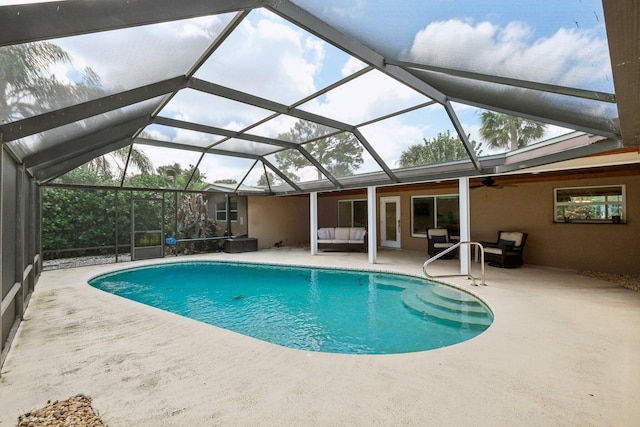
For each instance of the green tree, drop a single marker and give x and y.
(28, 87)
(169, 176)
(267, 179)
(504, 131)
(340, 154)
(443, 148)
(86, 176)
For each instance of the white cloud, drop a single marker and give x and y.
(351, 66)
(571, 57)
(391, 137)
(269, 58)
(131, 57)
(371, 95)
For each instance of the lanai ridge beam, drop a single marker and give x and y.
(256, 101)
(62, 152)
(55, 170)
(586, 129)
(543, 87)
(64, 116)
(213, 130)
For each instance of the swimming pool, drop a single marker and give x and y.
(315, 309)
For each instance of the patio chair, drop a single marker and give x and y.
(438, 240)
(507, 251)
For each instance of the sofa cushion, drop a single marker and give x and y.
(357, 233)
(342, 233)
(323, 234)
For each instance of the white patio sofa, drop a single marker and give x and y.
(342, 238)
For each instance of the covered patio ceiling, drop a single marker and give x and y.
(221, 85)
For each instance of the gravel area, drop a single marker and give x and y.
(60, 263)
(75, 411)
(630, 281)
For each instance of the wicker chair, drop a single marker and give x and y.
(507, 251)
(438, 241)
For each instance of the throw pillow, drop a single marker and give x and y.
(439, 239)
(506, 244)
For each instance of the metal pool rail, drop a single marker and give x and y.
(469, 276)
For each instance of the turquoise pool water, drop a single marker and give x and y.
(316, 309)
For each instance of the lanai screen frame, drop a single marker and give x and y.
(80, 17)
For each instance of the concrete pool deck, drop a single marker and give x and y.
(564, 350)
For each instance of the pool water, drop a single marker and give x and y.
(315, 309)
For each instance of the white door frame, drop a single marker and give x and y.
(384, 241)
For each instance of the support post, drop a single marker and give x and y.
(313, 222)
(372, 227)
(465, 225)
(19, 243)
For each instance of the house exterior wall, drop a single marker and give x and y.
(239, 226)
(408, 241)
(328, 207)
(529, 207)
(278, 219)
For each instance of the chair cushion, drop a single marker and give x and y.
(442, 245)
(494, 251)
(437, 232)
(514, 236)
(439, 239)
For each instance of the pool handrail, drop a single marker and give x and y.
(468, 276)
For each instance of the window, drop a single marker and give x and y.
(221, 211)
(352, 213)
(604, 204)
(434, 212)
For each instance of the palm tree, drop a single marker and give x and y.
(443, 148)
(504, 131)
(137, 158)
(27, 86)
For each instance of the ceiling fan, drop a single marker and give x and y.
(491, 183)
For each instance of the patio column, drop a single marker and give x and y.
(372, 227)
(313, 222)
(465, 225)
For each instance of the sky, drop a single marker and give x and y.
(562, 43)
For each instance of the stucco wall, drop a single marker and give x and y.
(527, 207)
(328, 207)
(279, 219)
